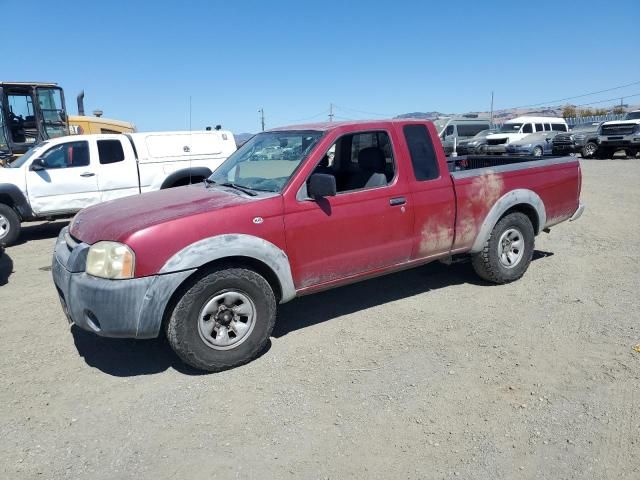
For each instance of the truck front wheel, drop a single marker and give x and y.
(223, 319)
(9, 225)
(507, 253)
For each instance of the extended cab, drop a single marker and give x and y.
(294, 211)
(61, 176)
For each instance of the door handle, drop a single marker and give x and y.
(397, 201)
(87, 174)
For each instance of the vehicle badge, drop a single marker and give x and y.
(258, 220)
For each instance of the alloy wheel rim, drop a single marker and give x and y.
(589, 149)
(226, 320)
(4, 226)
(511, 248)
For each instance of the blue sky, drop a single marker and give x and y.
(141, 60)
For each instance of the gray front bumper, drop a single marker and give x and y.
(496, 148)
(112, 308)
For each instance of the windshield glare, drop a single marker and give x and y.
(510, 128)
(20, 161)
(267, 161)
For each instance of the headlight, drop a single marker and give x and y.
(110, 260)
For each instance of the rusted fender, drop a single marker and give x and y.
(510, 199)
(235, 245)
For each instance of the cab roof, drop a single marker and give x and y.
(326, 126)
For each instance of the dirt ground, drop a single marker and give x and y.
(428, 373)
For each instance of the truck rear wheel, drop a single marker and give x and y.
(507, 253)
(224, 319)
(9, 225)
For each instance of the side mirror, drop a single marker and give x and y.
(37, 165)
(321, 185)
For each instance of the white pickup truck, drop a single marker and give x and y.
(59, 177)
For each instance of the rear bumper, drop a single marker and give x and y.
(113, 308)
(578, 213)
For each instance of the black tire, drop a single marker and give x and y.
(9, 225)
(183, 331)
(630, 153)
(589, 150)
(487, 263)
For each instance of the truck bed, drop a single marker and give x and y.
(474, 162)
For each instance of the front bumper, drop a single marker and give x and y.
(496, 148)
(620, 141)
(111, 308)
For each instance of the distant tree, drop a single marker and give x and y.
(618, 109)
(600, 111)
(586, 112)
(569, 111)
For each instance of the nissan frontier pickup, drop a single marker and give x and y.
(294, 211)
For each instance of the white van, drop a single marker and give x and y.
(61, 176)
(520, 127)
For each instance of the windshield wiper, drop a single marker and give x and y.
(235, 186)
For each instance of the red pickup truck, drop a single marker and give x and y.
(294, 211)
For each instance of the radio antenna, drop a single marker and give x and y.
(190, 142)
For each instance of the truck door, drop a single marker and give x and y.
(368, 225)
(117, 168)
(68, 181)
(432, 195)
(4, 145)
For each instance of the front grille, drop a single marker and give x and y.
(619, 129)
(563, 139)
(497, 141)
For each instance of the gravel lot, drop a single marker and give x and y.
(423, 374)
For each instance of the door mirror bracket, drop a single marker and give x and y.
(321, 185)
(37, 165)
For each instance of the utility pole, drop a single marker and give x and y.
(491, 108)
(261, 112)
(331, 112)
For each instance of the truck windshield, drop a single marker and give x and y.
(20, 161)
(632, 116)
(53, 114)
(510, 128)
(267, 161)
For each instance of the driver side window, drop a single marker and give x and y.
(67, 155)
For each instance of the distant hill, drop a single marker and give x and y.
(242, 137)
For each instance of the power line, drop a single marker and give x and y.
(574, 97)
(608, 100)
(362, 111)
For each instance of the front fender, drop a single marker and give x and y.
(18, 199)
(510, 199)
(235, 245)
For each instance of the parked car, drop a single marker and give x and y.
(535, 144)
(582, 139)
(518, 128)
(457, 129)
(620, 135)
(475, 145)
(59, 177)
(209, 263)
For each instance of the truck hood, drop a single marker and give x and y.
(118, 219)
(635, 121)
(14, 176)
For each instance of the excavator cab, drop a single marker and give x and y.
(29, 114)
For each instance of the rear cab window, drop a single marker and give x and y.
(422, 152)
(110, 151)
